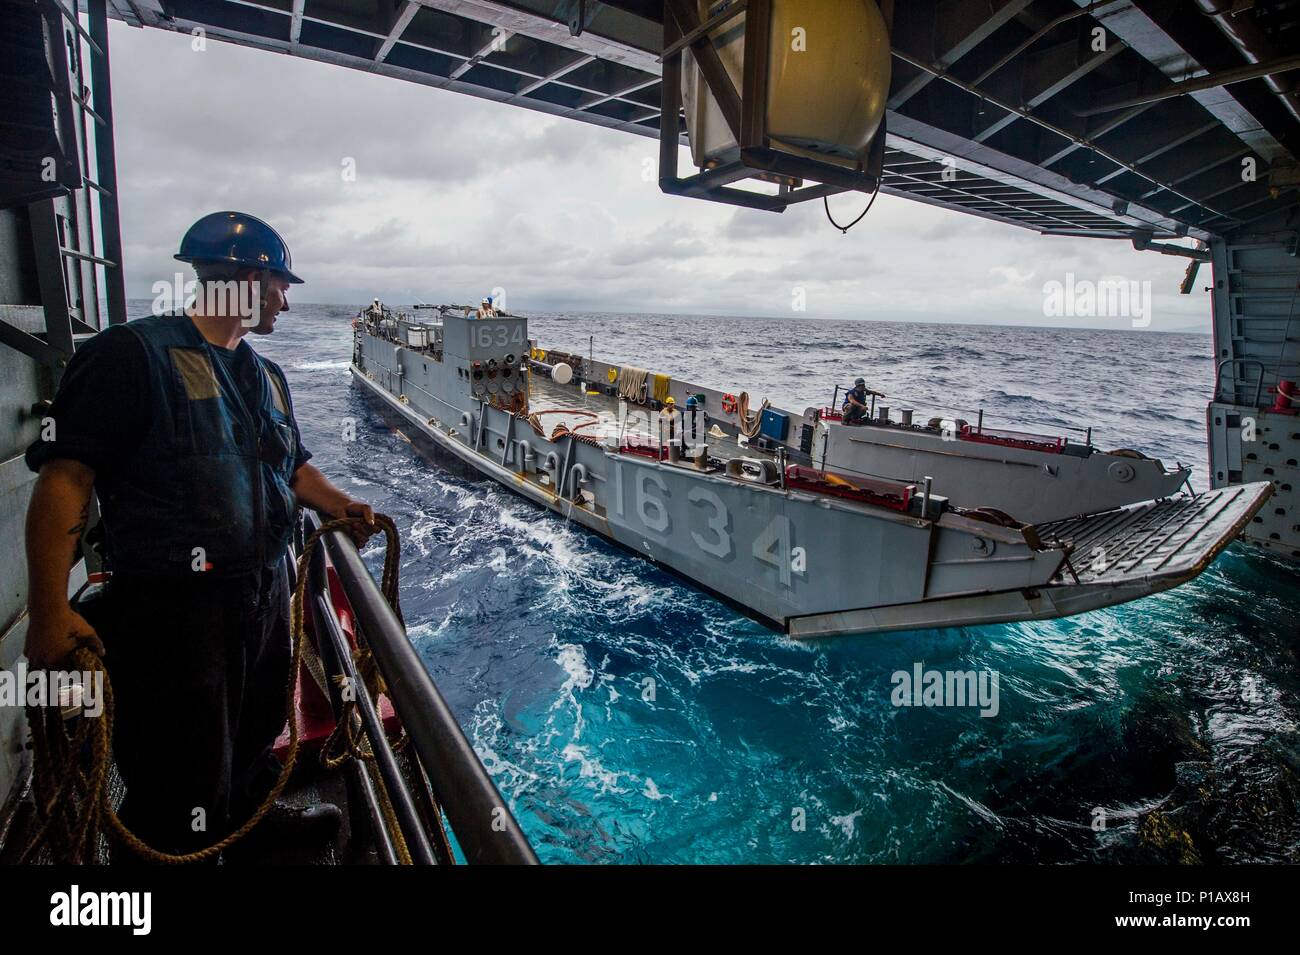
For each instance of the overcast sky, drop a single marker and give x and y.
(454, 196)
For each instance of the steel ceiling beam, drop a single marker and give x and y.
(401, 20)
(553, 31)
(1029, 114)
(295, 22)
(1211, 81)
(1155, 31)
(968, 24)
(381, 32)
(495, 43)
(621, 93)
(1213, 162)
(1054, 74)
(1180, 139)
(554, 75)
(1107, 127)
(423, 78)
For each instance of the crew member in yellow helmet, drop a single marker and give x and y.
(668, 415)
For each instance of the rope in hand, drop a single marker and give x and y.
(349, 721)
(364, 660)
(73, 801)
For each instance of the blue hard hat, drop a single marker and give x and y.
(239, 239)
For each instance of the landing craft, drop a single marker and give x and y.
(757, 519)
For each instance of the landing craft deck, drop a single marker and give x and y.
(1034, 477)
(807, 549)
(561, 401)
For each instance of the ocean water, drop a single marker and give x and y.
(1161, 730)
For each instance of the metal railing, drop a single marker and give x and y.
(442, 756)
(952, 412)
(1238, 383)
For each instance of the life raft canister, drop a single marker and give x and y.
(729, 404)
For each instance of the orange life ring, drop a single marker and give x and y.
(729, 404)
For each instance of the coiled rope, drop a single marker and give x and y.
(561, 429)
(73, 801)
(750, 423)
(632, 383)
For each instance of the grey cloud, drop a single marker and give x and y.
(672, 240)
(756, 224)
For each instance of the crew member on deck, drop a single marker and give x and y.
(485, 309)
(668, 421)
(855, 407)
(694, 440)
(187, 436)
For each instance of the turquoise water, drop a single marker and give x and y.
(1173, 718)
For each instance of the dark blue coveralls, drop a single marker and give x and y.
(852, 412)
(194, 448)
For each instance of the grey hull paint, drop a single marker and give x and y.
(783, 555)
(1032, 486)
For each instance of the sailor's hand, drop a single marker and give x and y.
(360, 532)
(52, 638)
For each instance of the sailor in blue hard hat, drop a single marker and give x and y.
(855, 408)
(238, 240)
(234, 252)
(693, 428)
(188, 438)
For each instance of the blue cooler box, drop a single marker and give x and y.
(774, 425)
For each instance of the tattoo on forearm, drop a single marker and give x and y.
(77, 529)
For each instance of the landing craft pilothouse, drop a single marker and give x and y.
(763, 507)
